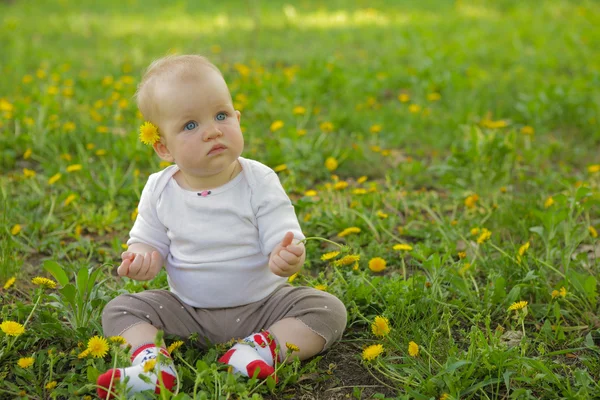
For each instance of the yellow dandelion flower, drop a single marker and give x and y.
(340, 185)
(462, 254)
(382, 215)
(98, 346)
(174, 346)
(74, 167)
(51, 385)
(276, 125)
(27, 154)
(134, 214)
(326, 126)
(434, 96)
(518, 306)
(375, 128)
(44, 282)
(523, 248)
(548, 203)
(527, 130)
(402, 247)
(149, 365)
(291, 347)
(25, 362)
(301, 132)
(321, 287)
(117, 339)
(280, 168)
(445, 396)
(359, 191)
(12, 328)
(299, 110)
(84, 354)
(9, 283)
(100, 152)
(28, 173)
(347, 260)
(70, 199)
(149, 133)
(292, 278)
(474, 231)
(404, 97)
(592, 169)
(414, 108)
(484, 236)
(593, 231)
(163, 164)
(310, 193)
(471, 200)
(413, 349)
(54, 178)
(362, 179)
(349, 231)
(15, 229)
(372, 352)
(330, 255)
(377, 264)
(380, 326)
(331, 163)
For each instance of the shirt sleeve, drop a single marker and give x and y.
(274, 212)
(147, 227)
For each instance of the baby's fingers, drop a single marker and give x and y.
(123, 269)
(288, 257)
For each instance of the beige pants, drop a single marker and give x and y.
(322, 312)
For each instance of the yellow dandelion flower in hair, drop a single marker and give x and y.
(149, 133)
(25, 362)
(372, 352)
(97, 346)
(413, 349)
(174, 346)
(12, 328)
(330, 255)
(292, 347)
(518, 306)
(149, 365)
(380, 326)
(9, 283)
(44, 282)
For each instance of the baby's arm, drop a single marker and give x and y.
(141, 262)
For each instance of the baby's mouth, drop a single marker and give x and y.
(217, 148)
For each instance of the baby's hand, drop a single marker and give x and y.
(287, 258)
(141, 267)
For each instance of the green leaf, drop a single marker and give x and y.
(82, 281)
(499, 290)
(455, 365)
(69, 292)
(590, 287)
(93, 374)
(270, 382)
(57, 272)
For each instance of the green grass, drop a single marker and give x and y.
(497, 66)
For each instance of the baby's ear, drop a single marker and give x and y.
(163, 152)
(238, 114)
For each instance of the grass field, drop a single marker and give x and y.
(452, 145)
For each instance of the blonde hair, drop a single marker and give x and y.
(167, 67)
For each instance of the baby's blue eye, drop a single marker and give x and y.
(190, 125)
(221, 116)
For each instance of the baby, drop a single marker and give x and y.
(227, 233)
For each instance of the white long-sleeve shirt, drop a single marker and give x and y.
(217, 246)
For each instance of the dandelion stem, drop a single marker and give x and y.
(322, 239)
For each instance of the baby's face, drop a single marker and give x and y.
(200, 129)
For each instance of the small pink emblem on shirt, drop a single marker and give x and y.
(204, 193)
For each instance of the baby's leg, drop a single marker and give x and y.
(296, 332)
(137, 318)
